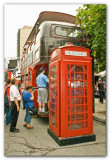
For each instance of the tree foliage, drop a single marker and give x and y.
(93, 20)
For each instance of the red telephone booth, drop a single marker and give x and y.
(70, 95)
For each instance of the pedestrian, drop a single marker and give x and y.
(8, 107)
(15, 98)
(28, 98)
(42, 81)
(100, 89)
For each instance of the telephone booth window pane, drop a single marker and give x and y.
(69, 92)
(85, 84)
(85, 76)
(53, 114)
(86, 108)
(80, 124)
(86, 124)
(53, 122)
(72, 68)
(53, 77)
(53, 84)
(86, 100)
(53, 69)
(85, 68)
(68, 109)
(68, 68)
(79, 117)
(68, 76)
(77, 109)
(77, 76)
(68, 117)
(68, 126)
(53, 99)
(77, 92)
(86, 116)
(77, 100)
(53, 92)
(69, 84)
(85, 92)
(53, 107)
(74, 126)
(77, 84)
(79, 68)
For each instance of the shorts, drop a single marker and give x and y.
(42, 95)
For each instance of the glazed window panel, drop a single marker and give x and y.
(53, 114)
(53, 100)
(53, 76)
(77, 92)
(53, 122)
(53, 92)
(53, 69)
(68, 67)
(77, 76)
(77, 100)
(77, 109)
(77, 84)
(79, 68)
(53, 107)
(53, 84)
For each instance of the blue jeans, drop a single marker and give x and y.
(8, 115)
(28, 116)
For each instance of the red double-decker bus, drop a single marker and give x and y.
(51, 30)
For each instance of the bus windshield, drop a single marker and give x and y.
(68, 32)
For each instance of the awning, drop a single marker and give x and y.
(102, 74)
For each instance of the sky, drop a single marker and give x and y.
(18, 15)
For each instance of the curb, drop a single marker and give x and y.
(103, 120)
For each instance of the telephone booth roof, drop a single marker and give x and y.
(67, 51)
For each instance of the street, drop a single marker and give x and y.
(37, 142)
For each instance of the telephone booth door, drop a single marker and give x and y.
(77, 108)
(54, 97)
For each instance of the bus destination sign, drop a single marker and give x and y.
(75, 53)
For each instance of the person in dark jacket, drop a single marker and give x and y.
(101, 89)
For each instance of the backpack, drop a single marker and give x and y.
(6, 102)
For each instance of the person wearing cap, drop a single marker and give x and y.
(42, 81)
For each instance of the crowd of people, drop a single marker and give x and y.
(12, 100)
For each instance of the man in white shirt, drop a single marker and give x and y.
(15, 103)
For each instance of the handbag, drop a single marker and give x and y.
(33, 110)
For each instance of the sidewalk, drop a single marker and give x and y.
(100, 111)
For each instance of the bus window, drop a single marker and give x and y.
(69, 32)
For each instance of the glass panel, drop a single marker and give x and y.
(53, 77)
(75, 126)
(77, 76)
(79, 68)
(53, 84)
(77, 92)
(85, 76)
(72, 68)
(85, 100)
(69, 100)
(79, 116)
(53, 107)
(85, 84)
(76, 109)
(68, 76)
(86, 124)
(80, 124)
(77, 84)
(85, 92)
(68, 126)
(53, 114)
(68, 84)
(53, 69)
(69, 92)
(85, 68)
(77, 100)
(68, 117)
(68, 68)
(86, 116)
(68, 109)
(53, 99)
(53, 122)
(86, 108)
(53, 92)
